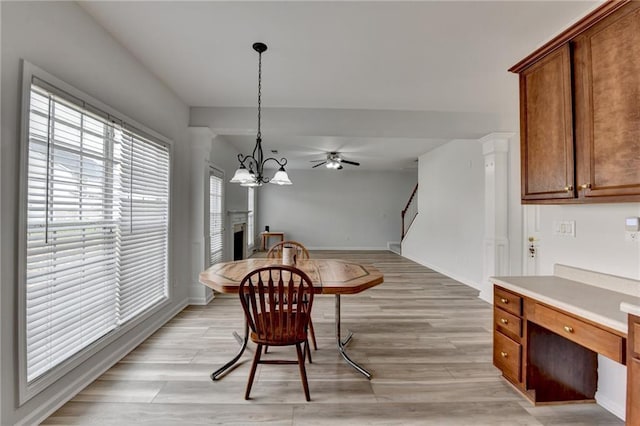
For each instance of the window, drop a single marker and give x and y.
(250, 217)
(97, 228)
(216, 231)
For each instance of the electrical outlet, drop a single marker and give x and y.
(632, 236)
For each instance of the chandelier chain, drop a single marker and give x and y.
(259, 92)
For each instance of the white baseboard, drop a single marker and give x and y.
(201, 301)
(77, 385)
(611, 406)
(486, 294)
(394, 243)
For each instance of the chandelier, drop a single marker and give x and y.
(250, 171)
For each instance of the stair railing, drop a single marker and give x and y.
(410, 212)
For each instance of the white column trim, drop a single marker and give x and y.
(495, 148)
(200, 141)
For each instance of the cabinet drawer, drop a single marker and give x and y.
(508, 323)
(508, 301)
(506, 356)
(576, 330)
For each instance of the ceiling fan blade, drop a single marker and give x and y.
(318, 165)
(353, 163)
(316, 161)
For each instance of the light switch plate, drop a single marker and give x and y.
(564, 228)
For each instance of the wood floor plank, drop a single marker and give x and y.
(426, 338)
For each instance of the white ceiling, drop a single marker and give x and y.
(383, 81)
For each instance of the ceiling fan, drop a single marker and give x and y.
(333, 161)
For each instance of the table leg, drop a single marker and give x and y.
(243, 345)
(342, 343)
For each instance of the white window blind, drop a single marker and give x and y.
(144, 225)
(96, 227)
(250, 216)
(216, 231)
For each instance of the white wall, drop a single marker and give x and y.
(600, 246)
(344, 209)
(62, 39)
(448, 232)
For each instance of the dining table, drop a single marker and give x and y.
(329, 276)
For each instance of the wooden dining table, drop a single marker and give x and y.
(329, 276)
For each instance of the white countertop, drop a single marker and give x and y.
(631, 308)
(587, 301)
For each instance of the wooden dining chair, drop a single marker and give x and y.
(275, 252)
(273, 299)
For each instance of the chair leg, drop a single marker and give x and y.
(307, 351)
(313, 335)
(303, 372)
(252, 374)
(266, 348)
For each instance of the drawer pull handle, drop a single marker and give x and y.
(504, 354)
(504, 320)
(568, 329)
(503, 300)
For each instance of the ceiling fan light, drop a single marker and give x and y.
(281, 177)
(332, 164)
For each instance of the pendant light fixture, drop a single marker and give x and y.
(250, 172)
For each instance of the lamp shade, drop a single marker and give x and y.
(281, 178)
(241, 175)
(253, 182)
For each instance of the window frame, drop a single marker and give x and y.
(27, 390)
(251, 217)
(213, 170)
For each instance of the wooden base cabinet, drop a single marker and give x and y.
(633, 372)
(551, 355)
(507, 334)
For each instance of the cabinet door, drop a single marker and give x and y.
(607, 99)
(546, 128)
(633, 391)
(633, 371)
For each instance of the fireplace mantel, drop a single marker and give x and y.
(237, 216)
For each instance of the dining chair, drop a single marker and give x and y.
(275, 252)
(273, 299)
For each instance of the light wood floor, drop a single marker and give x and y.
(425, 337)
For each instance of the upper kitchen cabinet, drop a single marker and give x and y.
(607, 105)
(580, 111)
(546, 128)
